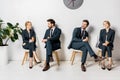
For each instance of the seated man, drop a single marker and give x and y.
(52, 41)
(80, 42)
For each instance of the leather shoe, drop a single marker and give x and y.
(83, 68)
(46, 67)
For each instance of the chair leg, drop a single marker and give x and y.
(113, 63)
(34, 60)
(72, 56)
(74, 53)
(45, 63)
(80, 54)
(107, 56)
(99, 54)
(57, 58)
(27, 54)
(25, 57)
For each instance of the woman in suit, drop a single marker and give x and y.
(106, 43)
(29, 42)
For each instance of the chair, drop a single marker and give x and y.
(25, 58)
(57, 57)
(73, 55)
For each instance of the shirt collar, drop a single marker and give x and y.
(82, 29)
(53, 28)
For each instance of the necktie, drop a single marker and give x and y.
(51, 32)
(82, 34)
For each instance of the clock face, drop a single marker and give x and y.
(73, 4)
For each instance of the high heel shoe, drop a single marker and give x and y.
(109, 67)
(103, 66)
(30, 66)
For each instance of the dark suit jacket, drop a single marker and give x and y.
(55, 39)
(110, 37)
(76, 38)
(26, 37)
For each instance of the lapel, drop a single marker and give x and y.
(84, 35)
(104, 34)
(109, 34)
(78, 32)
(27, 34)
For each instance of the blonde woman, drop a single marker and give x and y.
(29, 42)
(106, 44)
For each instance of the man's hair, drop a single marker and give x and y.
(51, 21)
(86, 21)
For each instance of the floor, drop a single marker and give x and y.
(15, 71)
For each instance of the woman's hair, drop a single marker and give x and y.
(107, 22)
(26, 23)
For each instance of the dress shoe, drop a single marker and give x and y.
(83, 68)
(46, 67)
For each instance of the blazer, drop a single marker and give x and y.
(110, 37)
(26, 37)
(76, 37)
(55, 38)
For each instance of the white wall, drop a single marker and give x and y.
(38, 11)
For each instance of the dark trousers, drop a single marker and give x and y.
(31, 47)
(48, 51)
(85, 48)
(108, 49)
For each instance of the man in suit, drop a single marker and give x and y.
(52, 41)
(80, 42)
(106, 40)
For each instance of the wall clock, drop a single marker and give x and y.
(73, 4)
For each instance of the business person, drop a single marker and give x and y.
(106, 40)
(29, 42)
(52, 41)
(80, 42)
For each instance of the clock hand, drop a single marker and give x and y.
(72, 1)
